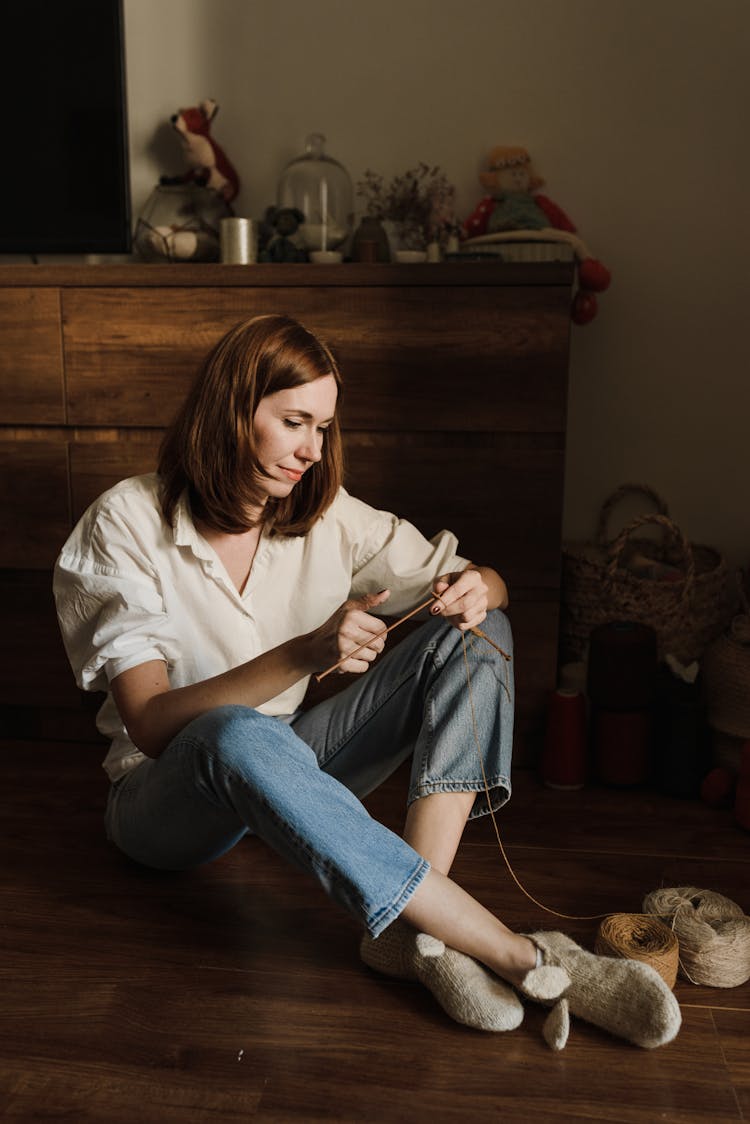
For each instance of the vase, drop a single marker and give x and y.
(370, 242)
(404, 235)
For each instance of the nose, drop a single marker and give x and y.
(311, 447)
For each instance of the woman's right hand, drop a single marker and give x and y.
(346, 630)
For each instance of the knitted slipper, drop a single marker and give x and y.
(466, 991)
(625, 997)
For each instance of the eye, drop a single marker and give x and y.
(290, 423)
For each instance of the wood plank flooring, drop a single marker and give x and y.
(235, 992)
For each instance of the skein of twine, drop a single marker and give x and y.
(712, 931)
(639, 936)
(714, 942)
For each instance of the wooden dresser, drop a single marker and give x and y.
(454, 416)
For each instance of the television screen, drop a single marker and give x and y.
(66, 186)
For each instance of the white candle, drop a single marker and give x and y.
(324, 210)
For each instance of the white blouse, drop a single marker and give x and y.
(129, 588)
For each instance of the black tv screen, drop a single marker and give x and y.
(66, 183)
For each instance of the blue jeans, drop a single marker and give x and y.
(297, 782)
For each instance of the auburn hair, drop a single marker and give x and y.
(210, 449)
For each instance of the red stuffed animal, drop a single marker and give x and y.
(208, 163)
(514, 211)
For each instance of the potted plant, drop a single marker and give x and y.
(417, 205)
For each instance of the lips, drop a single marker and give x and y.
(292, 473)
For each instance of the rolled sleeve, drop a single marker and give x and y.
(109, 621)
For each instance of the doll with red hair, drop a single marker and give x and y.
(514, 211)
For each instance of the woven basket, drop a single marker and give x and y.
(680, 589)
(726, 670)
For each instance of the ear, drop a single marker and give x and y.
(488, 180)
(209, 109)
(428, 946)
(557, 1026)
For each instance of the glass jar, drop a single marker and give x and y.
(180, 222)
(321, 189)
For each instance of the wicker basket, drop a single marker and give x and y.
(726, 670)
(680, 589)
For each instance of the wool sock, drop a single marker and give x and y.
(625, 997)
(466, 990)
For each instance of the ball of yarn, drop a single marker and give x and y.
(712, 931)
(638, 936)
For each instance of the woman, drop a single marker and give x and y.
(203, 597)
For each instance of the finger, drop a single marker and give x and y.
(465, 624)
(369, 600)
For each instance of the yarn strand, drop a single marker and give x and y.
(524, 891)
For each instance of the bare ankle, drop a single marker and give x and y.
(519, 957)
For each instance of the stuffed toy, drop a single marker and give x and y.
(207, 162)
(277, 235)
(515, 211)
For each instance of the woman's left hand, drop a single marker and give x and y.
(463, 598)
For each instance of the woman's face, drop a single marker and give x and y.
(290, 430)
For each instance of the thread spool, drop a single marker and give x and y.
(563, 763)
(621, 743)
(712, 931)
(622, 666)
(639, 936)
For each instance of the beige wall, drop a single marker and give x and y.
(635, 112)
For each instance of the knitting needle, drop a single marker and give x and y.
(395, 624)
(484, 636)
(434, 597)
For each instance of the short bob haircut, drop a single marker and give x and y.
(210, 450)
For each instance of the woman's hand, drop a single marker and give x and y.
(466, 595)
(346, 630)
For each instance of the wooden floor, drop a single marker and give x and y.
(235, 993)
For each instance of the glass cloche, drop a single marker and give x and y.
(321, 189)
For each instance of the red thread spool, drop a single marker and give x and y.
(563, 762)
(621, 743)
(742, 797)
(718, 787)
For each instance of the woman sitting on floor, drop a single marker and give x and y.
(203, 597)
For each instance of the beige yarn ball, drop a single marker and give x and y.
(713, 934)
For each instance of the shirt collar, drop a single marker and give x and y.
(185, 532)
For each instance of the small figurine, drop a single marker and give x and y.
(208, 164)
(515, 211)
(278, 228)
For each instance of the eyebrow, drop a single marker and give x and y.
(305, 414)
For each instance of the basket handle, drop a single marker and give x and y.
(619, 494)
(670, 529)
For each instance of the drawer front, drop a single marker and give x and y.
(413, 358)
(96, 466)
(31, 372)
(34, 503)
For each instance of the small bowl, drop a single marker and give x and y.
(326, 257)
(411, 257)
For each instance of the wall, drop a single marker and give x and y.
(630, 108)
